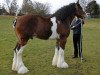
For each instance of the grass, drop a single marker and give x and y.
(38, 54)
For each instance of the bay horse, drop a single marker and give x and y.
(56, 27)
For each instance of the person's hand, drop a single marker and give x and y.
(72, 27)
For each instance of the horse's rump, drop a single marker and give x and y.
(33, 25)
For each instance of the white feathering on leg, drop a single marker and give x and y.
(61, 62)
(55, 58)
(21, 69)
(14, 62)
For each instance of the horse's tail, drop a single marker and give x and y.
(15, 21)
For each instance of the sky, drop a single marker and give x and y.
(54, 4)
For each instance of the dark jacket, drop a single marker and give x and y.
(76, 27)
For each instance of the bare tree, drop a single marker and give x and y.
(7, 5)
(36, 7)
(42, 9)
(93, 8)
(83, 3)
(13, 7)
(27, 6)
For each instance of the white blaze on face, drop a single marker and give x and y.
(54, 29)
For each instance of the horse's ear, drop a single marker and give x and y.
(78, 2)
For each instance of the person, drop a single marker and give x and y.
(77, 37)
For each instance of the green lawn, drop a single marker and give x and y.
(38, 54)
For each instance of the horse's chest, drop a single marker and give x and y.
(54, 34)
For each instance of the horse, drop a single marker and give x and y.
(56, 26)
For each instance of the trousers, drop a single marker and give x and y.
(77, 42)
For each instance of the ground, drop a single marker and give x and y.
(38, 54)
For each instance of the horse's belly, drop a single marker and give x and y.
(54, 34)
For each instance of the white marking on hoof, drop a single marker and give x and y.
(18, 64)
(55, 58)
(14, 67)
(22, 70)
(62, 65)
(61, 62)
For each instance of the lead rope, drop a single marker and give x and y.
(81, 54)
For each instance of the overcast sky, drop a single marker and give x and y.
(55, 4)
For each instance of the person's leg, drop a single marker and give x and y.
(80, 45)
(75, 45)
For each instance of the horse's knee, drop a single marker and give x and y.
(23, 41)
(62, 44)
(63, 40)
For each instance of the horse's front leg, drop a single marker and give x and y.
(61, 62)
(56, 55)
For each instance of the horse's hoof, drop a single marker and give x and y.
(54, 64)
(14, 69)
(22, 70)
(62, 65)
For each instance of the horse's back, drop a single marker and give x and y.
(30, 19)
(30, 25)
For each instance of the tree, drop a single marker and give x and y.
(36, 7)
(13, 7)
(7, 5)
(93, 8)
(0, 9)
(27, 6)
(10, 6)
(40, 8)
(83, 3)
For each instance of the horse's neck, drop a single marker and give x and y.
(69, 20)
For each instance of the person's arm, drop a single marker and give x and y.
(76, 24)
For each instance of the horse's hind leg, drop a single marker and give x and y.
(15, 58)
(18, 64)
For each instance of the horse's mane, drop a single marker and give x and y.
(64, 12)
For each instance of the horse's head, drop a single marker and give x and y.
(79, 11)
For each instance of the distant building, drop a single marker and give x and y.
(1, 11)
